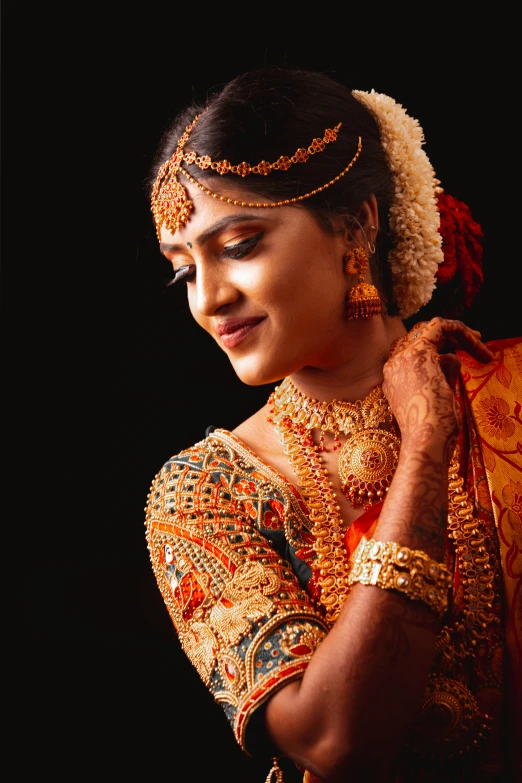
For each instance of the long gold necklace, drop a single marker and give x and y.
(367, 461)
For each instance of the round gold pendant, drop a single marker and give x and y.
(366, 464)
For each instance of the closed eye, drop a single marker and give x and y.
(187, 272)
(184, 273)
(243, 248)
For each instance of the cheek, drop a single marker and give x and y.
(317, 289)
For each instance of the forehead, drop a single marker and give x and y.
(209, 213)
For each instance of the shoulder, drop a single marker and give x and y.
(209, 457)
(219, 452)
(218, 473)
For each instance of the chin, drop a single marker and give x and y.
(256, 380)
(254, 375)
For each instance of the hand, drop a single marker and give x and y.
(421, 373)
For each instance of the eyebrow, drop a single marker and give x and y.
(228, 220)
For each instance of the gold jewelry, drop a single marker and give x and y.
(276, 773)
(283, 163)
(332, 564)
(413, 215)
(171, 205)
(363, 298)
(368, 459)
(294, 416)
(391, 566)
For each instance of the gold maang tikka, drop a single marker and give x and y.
(368, 459)
(171, 206)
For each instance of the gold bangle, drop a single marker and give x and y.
(395, 567)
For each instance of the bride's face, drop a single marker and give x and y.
(267, 284)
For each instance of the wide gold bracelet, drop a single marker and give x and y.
(391, 566)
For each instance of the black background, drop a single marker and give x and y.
(106, 377)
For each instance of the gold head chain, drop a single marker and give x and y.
(171, 206)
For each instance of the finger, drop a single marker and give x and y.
(469, 340)
(450, 366)
(447, 334)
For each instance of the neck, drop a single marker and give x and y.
(361, 365)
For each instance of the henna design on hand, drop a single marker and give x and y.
(419, 387)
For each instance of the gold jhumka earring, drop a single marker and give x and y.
(363, 298)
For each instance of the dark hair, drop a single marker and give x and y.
(269, 112)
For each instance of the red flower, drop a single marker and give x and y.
(274, 518)
(245, 487)
(462, 247)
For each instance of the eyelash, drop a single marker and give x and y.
(242, 248)
(187, 272)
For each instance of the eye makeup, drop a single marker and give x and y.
(185, 273)
(243, 248)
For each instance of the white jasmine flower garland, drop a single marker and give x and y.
(414, 214)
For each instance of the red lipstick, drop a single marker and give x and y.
(234, 330)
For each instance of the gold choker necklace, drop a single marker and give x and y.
(368, 459)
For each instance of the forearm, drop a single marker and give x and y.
(416, 510)
(381, 648)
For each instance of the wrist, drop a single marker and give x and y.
(411, 572)
(437, 447)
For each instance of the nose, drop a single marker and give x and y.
(214, 288)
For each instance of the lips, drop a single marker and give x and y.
(234, 330)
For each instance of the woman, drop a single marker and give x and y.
(341, 568)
